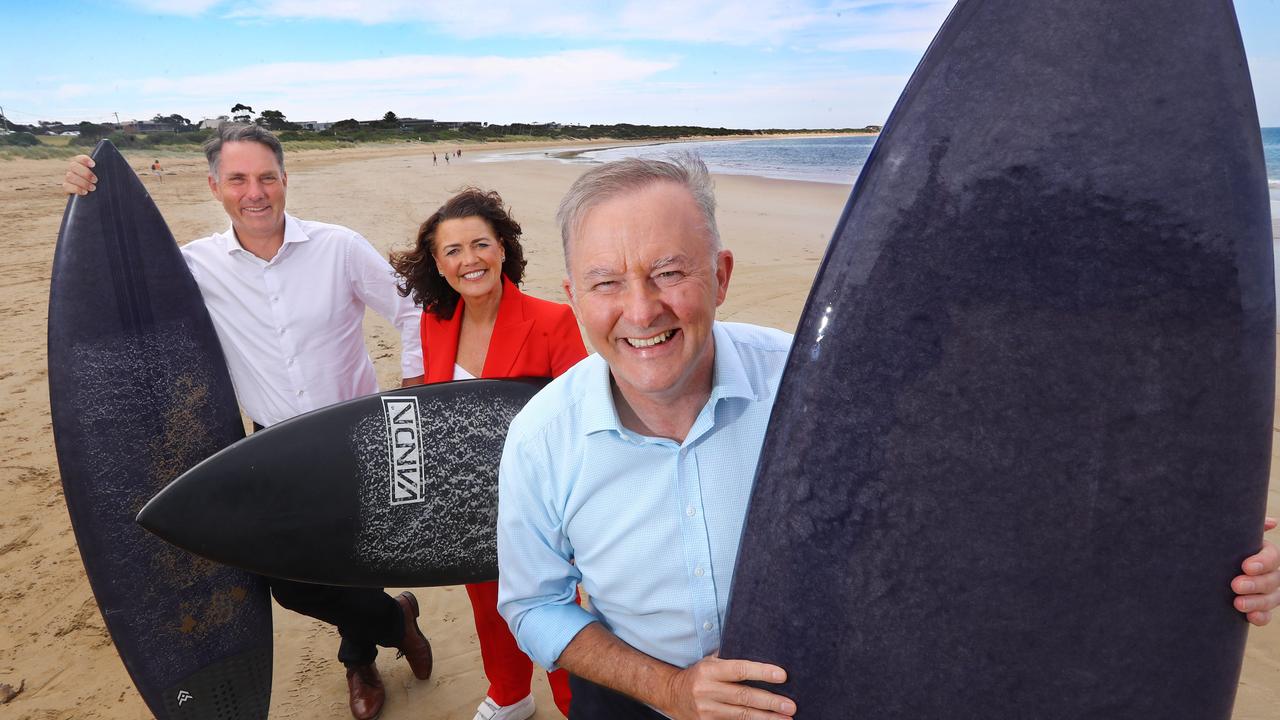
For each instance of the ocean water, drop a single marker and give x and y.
(821, 159)
(831, 160)
(1271, 151)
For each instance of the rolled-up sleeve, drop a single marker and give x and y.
(537, 580)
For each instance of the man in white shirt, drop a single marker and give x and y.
(287, 298)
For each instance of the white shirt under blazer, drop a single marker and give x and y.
(292, 328)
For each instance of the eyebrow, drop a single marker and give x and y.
(599, 271)
(667, 260)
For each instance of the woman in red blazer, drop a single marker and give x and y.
(464, 272)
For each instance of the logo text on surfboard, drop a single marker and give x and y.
(404, 447)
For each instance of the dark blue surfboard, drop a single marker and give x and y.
(1022, 441)
(398, 489)
(139, 393)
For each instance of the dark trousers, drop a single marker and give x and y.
(596, 702)
(365, 617)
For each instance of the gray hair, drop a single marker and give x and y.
(235, 132)
(621, 176)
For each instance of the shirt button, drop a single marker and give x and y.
(699, 572)
(275, 298)
(300, 392)
(281, 331)
(290, 362)
(707, 625)
(690, 511)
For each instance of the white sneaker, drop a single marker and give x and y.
(490, 710)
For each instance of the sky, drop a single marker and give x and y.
(738, 64)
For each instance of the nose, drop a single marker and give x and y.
(642, 305)
(256, 188)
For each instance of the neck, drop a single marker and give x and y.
(670, 415)
(482, 310)
(263, 246)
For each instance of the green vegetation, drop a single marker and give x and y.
(19, 139)
(34, 143)
(386, 131)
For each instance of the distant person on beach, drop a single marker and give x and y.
(434, 161)
(287, 298)
(630, 474)
(156, 170)
(464, 271)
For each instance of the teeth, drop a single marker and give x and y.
(650, 342)
(473, 275)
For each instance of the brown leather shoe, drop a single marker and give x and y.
(367, 694)
(413, 645)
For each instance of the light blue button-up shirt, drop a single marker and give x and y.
(648, 527)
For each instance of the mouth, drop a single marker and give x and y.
(474, 274)
(259, 210)
(660, 338)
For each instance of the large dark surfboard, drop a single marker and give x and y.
(1022, 441)
(391, 490)
(139, 393)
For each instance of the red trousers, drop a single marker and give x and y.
(509, 670)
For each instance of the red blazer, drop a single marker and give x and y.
(531, 338)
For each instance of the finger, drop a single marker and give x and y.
(1256, 584)
(1259, 618)
(76, 185)
(740, 670)
(1264, 561)
(737, 697)
(1258, 603)
(82, 171)
(1269, 524)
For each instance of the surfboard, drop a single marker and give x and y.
(139, 393)
(398, 489)
(1021, 444)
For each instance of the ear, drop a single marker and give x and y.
(724, 269)
(568, 293)
(213, 187)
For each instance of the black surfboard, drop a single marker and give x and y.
(1022, 441)
(139, 393)
(392, 490)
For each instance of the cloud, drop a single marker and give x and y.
(835, 25)
(187, 8)
(410, 85)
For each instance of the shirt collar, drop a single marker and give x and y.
(730, 380)
(293, 233)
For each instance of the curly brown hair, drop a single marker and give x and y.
(417, 267)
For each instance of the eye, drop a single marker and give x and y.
(451, 251)
(667, 277)
(605, 286)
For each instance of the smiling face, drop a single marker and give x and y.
(470, 255)
(645, 281)
(251, 187)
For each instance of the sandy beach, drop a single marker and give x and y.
(53, 643)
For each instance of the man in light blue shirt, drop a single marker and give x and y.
(630, 473)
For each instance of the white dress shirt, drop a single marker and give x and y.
(292, 328)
